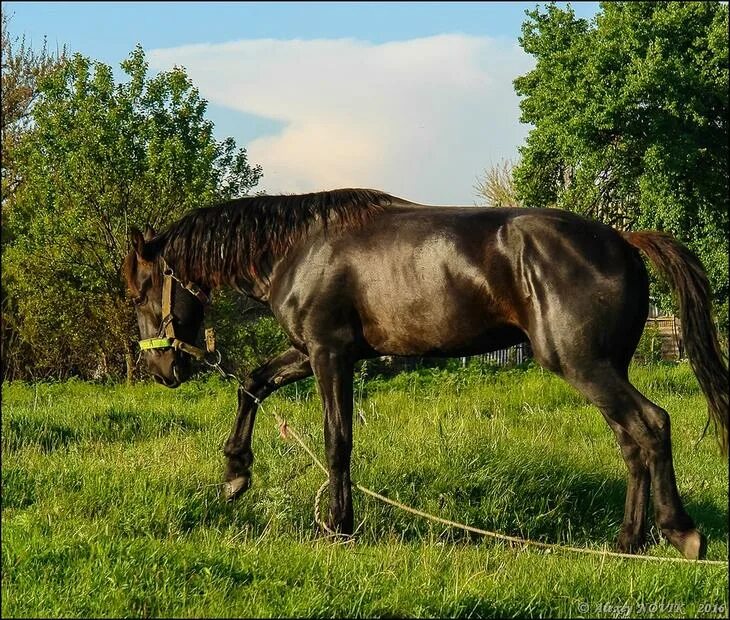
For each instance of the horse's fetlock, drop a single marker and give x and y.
(679, 522)
(234, 452)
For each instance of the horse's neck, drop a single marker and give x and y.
(257, 287)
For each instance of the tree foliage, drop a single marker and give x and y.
(99, 158)
(22, 69)
(630, 121)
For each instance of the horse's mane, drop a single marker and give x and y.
(226, 243)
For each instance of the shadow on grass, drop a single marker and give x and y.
(113, 425)
(709, 518)
(546, 502)
(47, 436)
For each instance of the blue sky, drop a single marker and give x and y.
(219, 38)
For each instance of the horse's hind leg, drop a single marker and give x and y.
(632, 537)
(647, 425)
(288, 367)
(650, 428)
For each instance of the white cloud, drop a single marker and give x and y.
(418, 118)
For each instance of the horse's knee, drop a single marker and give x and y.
(635, 460)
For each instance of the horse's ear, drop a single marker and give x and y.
(146, 245)
(137, 240)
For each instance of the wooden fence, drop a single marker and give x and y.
(670, 336)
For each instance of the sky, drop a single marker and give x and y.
(413, 98)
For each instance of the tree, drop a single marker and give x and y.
(22, 69)
(100, 157)
(630, 121)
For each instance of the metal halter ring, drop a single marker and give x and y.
(217, 362)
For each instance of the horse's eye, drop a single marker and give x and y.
(139, 301)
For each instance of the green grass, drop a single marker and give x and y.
(111, 503)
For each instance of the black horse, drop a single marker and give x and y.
(353, 274)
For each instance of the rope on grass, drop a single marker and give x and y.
(285, 430)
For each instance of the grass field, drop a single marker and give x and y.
(111, 505)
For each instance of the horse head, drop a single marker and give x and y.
(169, 314)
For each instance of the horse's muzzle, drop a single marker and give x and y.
(170, 369)
(171, 383)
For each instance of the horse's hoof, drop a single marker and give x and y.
(340, 531)
(335, 536)
(235, 487)
(630, 543)
(692, 544)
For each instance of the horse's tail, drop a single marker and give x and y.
(687, 277)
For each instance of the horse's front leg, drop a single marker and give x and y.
(288, 367)
(333, 371)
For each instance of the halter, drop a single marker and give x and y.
(166, 326)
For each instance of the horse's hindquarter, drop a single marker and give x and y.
(586, 289)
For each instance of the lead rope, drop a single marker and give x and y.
(285, 429)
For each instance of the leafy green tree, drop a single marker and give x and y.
(247, 331)
(100, 157)
(630, 121)
(22, 68)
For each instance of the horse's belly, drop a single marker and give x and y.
(432, 322)
(434, 297)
